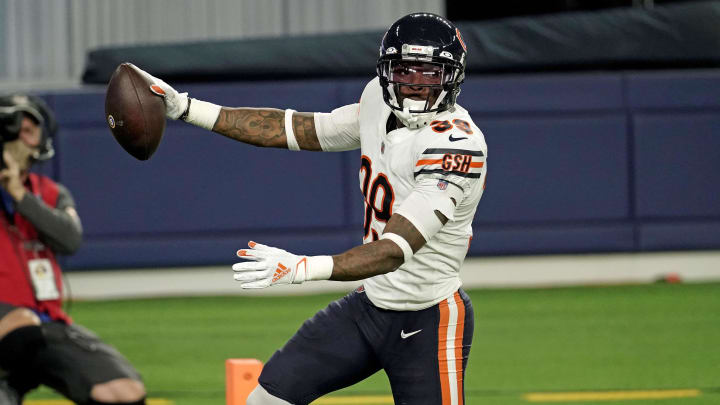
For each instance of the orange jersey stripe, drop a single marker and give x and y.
(423, 162)
(428, 162)
(442, 351)
(459, 345)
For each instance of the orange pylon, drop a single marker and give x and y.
(241, 377)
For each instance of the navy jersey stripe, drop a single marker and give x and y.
(442, 171)
(453, 151)
(455, 184)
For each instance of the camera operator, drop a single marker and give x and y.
(39, 343)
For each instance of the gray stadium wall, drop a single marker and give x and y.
(615, 161)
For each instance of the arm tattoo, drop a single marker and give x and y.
(255, 126)
(304, 128)
(266, 127)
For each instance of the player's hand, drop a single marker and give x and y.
(10, 177)
(175, 103)
(266, 266)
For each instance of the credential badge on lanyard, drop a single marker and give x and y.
(43, 279)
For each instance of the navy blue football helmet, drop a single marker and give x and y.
(421, 50)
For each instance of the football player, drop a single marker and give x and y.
(422, 174)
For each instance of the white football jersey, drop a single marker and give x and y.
(448, 156)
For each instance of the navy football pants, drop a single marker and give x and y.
(424, 353)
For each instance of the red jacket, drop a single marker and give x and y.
(19, 242)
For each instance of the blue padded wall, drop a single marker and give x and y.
(592, 162)
(673, 90)
(547, 238)
(676, 125)
(677, 165)
(542, 94)
(555, 169)
(196, 182)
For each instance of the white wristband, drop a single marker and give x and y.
(400, 241)
(289, 133)
(316, 268)
(203, 114)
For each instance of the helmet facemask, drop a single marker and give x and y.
(441, 76)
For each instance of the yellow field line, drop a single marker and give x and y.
(369, 400)
(530, 397)
(609, 395)
(365, 400)
(149, 401)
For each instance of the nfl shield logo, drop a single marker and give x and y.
(442, 184)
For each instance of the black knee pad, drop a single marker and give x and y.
(94, 402)
(19, 347)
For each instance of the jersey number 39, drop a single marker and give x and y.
(370, 192)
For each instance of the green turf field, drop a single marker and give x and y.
(620, 338)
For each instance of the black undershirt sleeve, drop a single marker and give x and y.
(59, 230)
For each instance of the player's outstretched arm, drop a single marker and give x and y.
(381, 256)
(266, 266)
(266, 127)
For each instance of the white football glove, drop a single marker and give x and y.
(175, 103)
(268, 266)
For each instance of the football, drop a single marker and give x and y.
(135, 115)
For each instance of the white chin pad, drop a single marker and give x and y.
(414, 120)
(410, 104)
